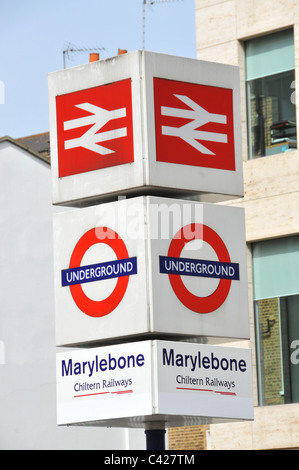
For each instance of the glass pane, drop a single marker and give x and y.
(276, 267)
(271, 114)
(270, 54)
(290, 333)
(277, 326)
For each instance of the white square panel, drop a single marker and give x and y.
(147, 266)
(144, 122)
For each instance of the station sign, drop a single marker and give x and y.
(176, 383)
(144, 121)
(147, 265)
(88, 111)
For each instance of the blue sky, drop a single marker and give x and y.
(34, 33)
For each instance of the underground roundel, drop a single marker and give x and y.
(194, 124)
(79, 273)
(94, 128)
(176, 266)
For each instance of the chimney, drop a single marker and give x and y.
(122, 51)
(94, 56)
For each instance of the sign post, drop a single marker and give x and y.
(150, 266)
(145, 123)
(146, 286)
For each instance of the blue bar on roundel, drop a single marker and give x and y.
(99, 271)
(198, 267)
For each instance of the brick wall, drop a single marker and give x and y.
(188, 438)
(270, 350)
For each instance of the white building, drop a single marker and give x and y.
(262, 39)
(27, 341)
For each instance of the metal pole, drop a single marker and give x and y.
(155, 439)
(155, 435)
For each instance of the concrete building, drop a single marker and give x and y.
(262, 38)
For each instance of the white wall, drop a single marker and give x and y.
(27, 342)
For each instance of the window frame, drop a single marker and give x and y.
(271, 42)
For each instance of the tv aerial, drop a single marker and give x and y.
(146, 3)
(72, 49)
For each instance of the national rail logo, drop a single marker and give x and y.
(94, 128)
(194, 124)
(121, 269)
(176, 266)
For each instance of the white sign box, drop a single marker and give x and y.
(148, 266)
(131, 384)
(145, 121)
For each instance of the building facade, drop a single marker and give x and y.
(262, 38)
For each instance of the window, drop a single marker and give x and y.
(270, 82)
(276, 294)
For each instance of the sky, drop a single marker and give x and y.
(34, 34)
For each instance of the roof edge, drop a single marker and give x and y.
(7, 138)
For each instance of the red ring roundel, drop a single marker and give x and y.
(192, 302)
(103, 307)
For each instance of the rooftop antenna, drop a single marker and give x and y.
(71, 49)
(149, 3)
